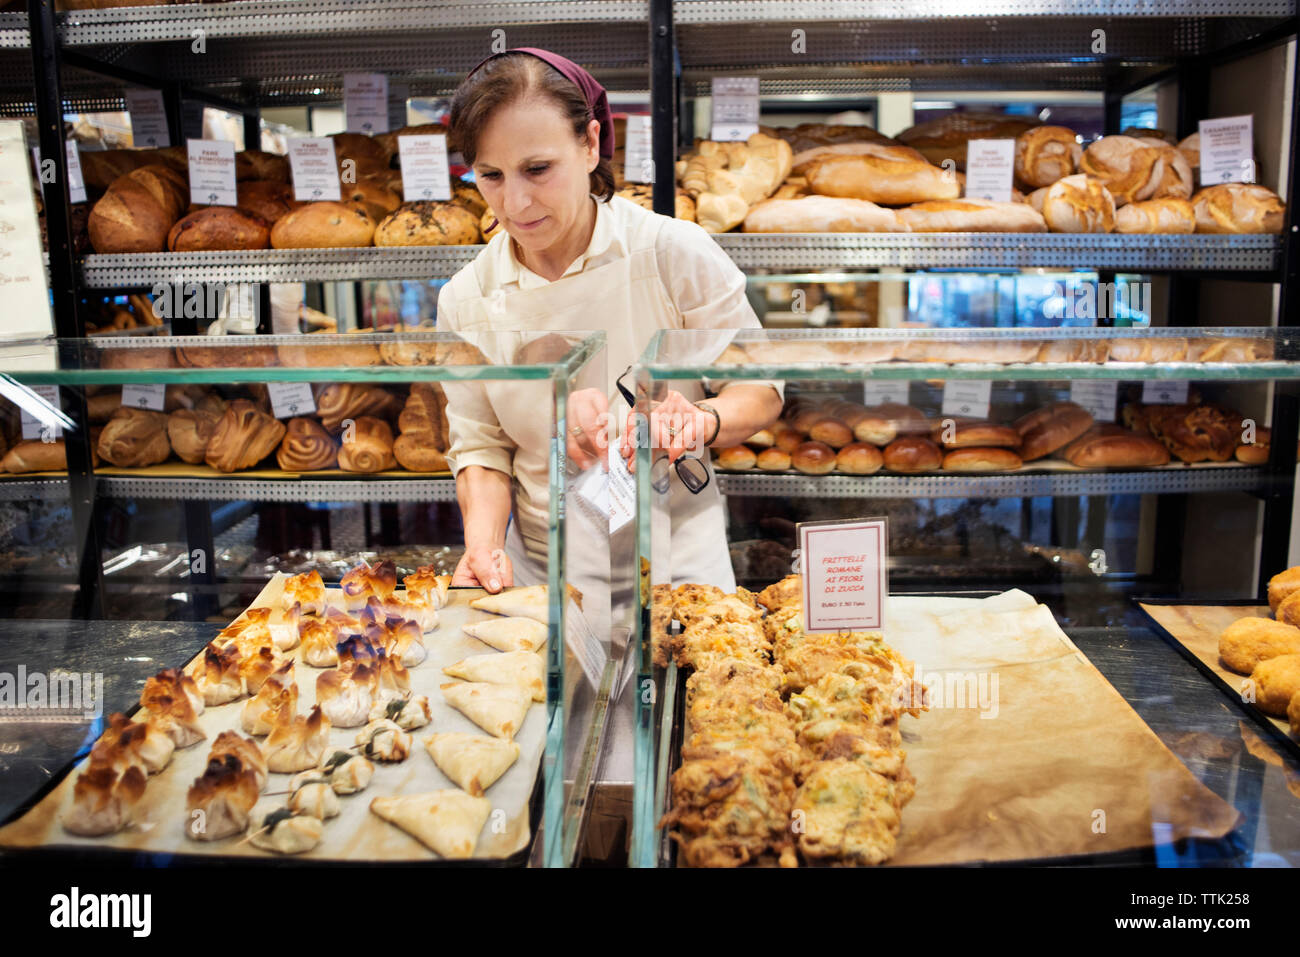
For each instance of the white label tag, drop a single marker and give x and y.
(425, 174)
(32, 426)
(76, 185)
(843, 574)
(212, 172)
(586, 647)
(315, 169)
(398, 93)
(1164, 391)
(990, 165)
(148, 117)
(1227, 150)
(890, 390)
(26, 311)
(968, 397)
(735, 108)
(365, 102)
(291, 398)
(638, 150)
(153, 396)
(1097, 396)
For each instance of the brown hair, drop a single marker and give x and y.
(511, 77)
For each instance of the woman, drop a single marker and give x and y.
(537, 131)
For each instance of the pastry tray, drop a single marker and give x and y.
(1193, 629)
(356, 835)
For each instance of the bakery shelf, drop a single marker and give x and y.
(718, 11)
(14, 34)
(19, 489)
(848, 81)
(279, 490)
(1168, 480)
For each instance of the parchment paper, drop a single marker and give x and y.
(356, 834)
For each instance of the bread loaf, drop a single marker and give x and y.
(1111, 446)
(738, 457)
(100, 408)
(306, 447)
(813, 458)
(330, 355)
(1233, 349)
(428, 223)
(137, 212)
(1045, 154)
(1077, 204)
(243, 437)
(134, 438)
(100, 168)
(219, 227)
(972, 216)
(189, 431)
(859, 458)
(1052, 427)
(1238, 208)
(33, 455)
(1168, 215)
(822, 214)
(967, 433)
(980, 459)
(367, 446)
(359, 154)
(235, 353)
(912, 455)
(372, 196)
(1196, 433)
(946, 138)
(266, 200)
(323, 225)
(340, 401)
(1148, 350)
(261, 165)
(893, 175)
(1133, 169)
(1073, 350)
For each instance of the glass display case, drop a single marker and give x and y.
(1074, 518)
(138, 476)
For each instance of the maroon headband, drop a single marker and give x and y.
(593, 91)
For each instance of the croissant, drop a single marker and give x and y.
(339, 401)
(307, 447)
(189, 431)
(244, 436)
(103, 801)
(134, 438)
(367, 446)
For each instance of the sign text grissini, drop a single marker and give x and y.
(843, 574)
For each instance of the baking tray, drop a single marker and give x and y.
(33, 827)
(1193, 629)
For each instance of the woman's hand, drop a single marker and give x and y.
(484, 566)
(587, 440)
(676, 426)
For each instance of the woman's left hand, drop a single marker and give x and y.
(676, 426)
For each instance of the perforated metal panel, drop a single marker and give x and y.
(715, 11)
(33, 490)
(868, 79)
(1021, 485)
(288, 490)
(13, 32)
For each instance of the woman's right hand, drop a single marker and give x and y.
(486, 567)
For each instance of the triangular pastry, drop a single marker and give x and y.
(509, 634)
(497, 709)
(528, 602)
(471, 760)
(523, 669)
(447, 822)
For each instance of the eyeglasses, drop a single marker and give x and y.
(689, 468)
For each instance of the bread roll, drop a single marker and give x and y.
(1148, 350)
(773, 460)
(134, 438)
(1045, 154)
(244, 436)
(762, 439)
(1280, 587)
(972, 216)
(323, 225)
(306, 447)
(137, 212)
(264, 166)
(1073, 350)
(33, 455)
(813, 458)
(830, 432)
(1115, 447)
(980, 459)
(219, 227)
(946, 138)
(367, 446)
(189, 431)
(1168, 215)
(788, 439)
(1052, 427)
(893, 175)
(822, 214)
(1257, 452)
(1078, 204)
(859, 458)
(912, 455)
(265, 199)
(738, 457)
(1238, 208)
(966, 433)
(428, 223)
(1133, 169)
(340, 401)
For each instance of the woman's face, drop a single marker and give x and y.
(534, 172)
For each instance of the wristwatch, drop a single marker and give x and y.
(717, 420)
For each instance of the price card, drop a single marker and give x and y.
(967, 397)
(425, 174)
(582, 641)
(843, 574)
(990, 165)
(891, 390)
(735, 108)
(638, 150)
(145, 396)
(212, 172)
(148, 117)
(365, 102)
(76, 185)
(398, 93)
(1098, 396)
(1164, 391)
(291, 398)
(622, 491)
(31, 425)
(315, 169)
(1227, 150)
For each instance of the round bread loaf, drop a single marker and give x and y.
(219, 227)
(859, 458)
(323, 225)
(981, 460)
(137, 212)
(831, 432)
(428, 223)
(1238, 208)
(1076, 204)
(737, 457)
(266, 199)
(773, 460)
(813, 458)
(1135, 168)
(1045, 154)
(1052, 427)
(912, 454)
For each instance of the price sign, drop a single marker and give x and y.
(31, 425)
(638, 150)
(76, 185)
(611, 491)
(425, 174)
(843, 574)
(967, 397)
(148, 117)
(735, 108)
(212, 172)
(365, 102)
(315, 169)
(1098, 396)
(878, 393)
(990, 165)
(145, 396)
(1227, 150)
(1164, 391)
(291, 398)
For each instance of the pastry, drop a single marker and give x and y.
(1281, 586)
(314, 799)
(279, 692)
(256, 668)
(1052, 427)
(1277, 681)
(307, 591)
(1197, 433)
(447, 822)
(367, 446)
(172, 712)
(497, 709)
(346, 693)
(407, 713)
(177, 684)
(134, 438)
(524, 670)
(529, 602)
(231, 747)
(307, 447)
(189, 431)
(104, 801)
(426, 587)
(218, 679)
(1238, 208)
(225, 794)
(243, 438)
(340, 401)
(394, 679)
(383, 740)
(125, 743)
(472, 761)
(296, 743)
(509, 634)
(286, 832)
(402, 639)
(346, 773)
(1045, 154)
(365, 581)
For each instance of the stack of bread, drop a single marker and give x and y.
(726, 180)
(1268, 650)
